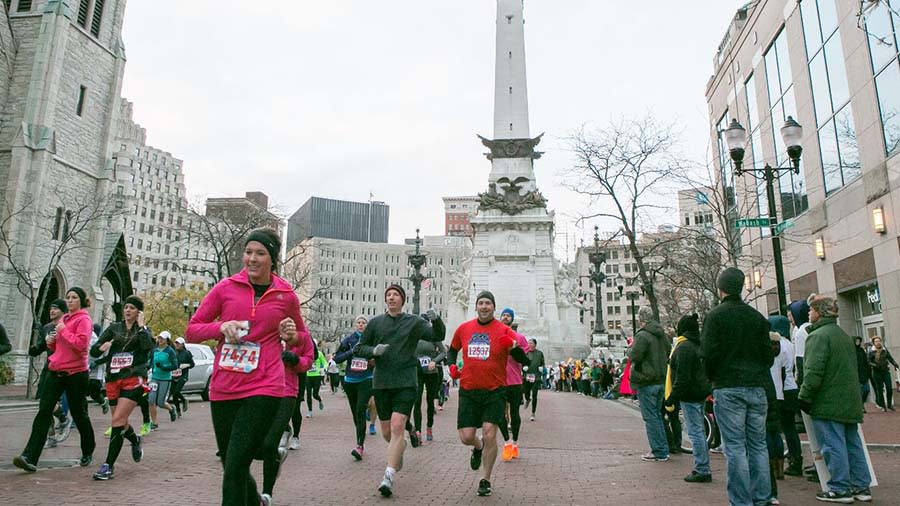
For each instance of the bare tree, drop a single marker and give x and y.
(313, 287)
(624, 169)
(64, 232)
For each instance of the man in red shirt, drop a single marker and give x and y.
(486, 344)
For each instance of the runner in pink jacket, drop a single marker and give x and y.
(250, 314)
(513, 393)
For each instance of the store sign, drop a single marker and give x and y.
(874, 296)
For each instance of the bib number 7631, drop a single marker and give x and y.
(242, 357)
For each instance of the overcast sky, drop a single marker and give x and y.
(338, 98)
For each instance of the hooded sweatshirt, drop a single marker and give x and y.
(304, 352)
(70, 350)
(359, 368)
(513, 367)
(648, 355)
(233, 299)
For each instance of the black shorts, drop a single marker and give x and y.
(394, 400)
(477, 407)
(514, 395)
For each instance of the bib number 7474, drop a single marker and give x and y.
(242, 357)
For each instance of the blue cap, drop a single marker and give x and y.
(508, 311)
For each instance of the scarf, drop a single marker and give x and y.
(678, 340)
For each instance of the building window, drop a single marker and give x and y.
(781, 105)
(23, 6)
(882, 28)
(831, 94)
(57, 223)
(98, 17)
(83, 8)
(79, 107)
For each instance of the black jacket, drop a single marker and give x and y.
(649, 355)
(5, 347)
(862, 365)
(536, 358)
(735, 345)
(689, 383)
(185, 357)
(137, 341)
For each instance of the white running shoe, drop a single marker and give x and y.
(387, 486)
(266, 500)
(295, 443)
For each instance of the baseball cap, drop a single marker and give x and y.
(166, 334)
(180, 341)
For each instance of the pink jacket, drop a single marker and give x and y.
(232, 299)
(70, 350)
(513, 367)
(304, 351)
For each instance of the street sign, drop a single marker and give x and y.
(784, 225)
(762, 221)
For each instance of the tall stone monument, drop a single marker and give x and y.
(513, 242)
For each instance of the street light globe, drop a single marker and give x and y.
(791, 133)
(735, 136)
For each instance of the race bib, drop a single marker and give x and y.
(153, 386)
(529, 378)
(176, 373)
(120, 361)
(242, 357)
(424, 361)
(358, 364)
(479, 347)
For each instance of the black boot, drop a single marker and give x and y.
(795, 466)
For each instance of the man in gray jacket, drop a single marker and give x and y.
(648, 355)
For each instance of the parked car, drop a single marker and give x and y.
(198, 379)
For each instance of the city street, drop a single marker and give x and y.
(580, 451)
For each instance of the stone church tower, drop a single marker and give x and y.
(61, 68)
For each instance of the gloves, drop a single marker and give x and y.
(454, 372)
(290, 358)
(431, 315)
(525, 368)
(804, 405)
(380, 349)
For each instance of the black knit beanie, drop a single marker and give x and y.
(82, 296)
(688, 323)
(135, 301)
(399, 289)
(269, 239)
(731, 281)
(485, 294)
(59, 304)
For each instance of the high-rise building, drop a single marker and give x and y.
(457, 212)
(835, 70)
(240, 215)
(60, 83)
(339, 219)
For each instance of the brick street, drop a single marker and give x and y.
(580, 451)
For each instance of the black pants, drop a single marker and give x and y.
(269, 451)
(297, 417)
(430, 384)
(238, 436)
(673, 427)
(96, 391)
(531, 393)
(789, 409)
(75, 386)
(177, 398)
(513, 396)
(881, 381)
(313, 384)
(334, 381)
(358, 395)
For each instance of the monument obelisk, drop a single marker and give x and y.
(513, 243)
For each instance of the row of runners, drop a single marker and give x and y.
(264, 347)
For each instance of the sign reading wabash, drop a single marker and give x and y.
(762, 221)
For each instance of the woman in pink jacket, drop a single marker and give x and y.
(250, 314)
(68, 366)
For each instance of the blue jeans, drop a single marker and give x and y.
(741, 415)
(844, 455)
(650, 398)
(694, 419)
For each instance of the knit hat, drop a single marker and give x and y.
(82, 296)
(485, 294)
(688, 323)
(269, 239)
(397, 288)
(135, 301)
(780, 324)
(799, 311)
(730, 281)
(510, 312)
(59, 304)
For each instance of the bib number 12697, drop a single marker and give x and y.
(242, 357)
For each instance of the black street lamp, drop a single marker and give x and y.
(597, 258)
(736, 139)
(632, 296)
(188, 309)
(417, 260)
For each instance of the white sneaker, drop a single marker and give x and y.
(266, 500)
(285, 439)
(295, 443)
(387, 486)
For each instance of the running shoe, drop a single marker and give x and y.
(507, 452)
(387, 486)
(696, 477)
(653, 458)
(51, 442)
(184, 405)
(515, 451)
(295, 443)
(532, 418)
(357, 453)
(414, 439)
(862, 494)
(527, 402)
(309, 414)
(371, 429)
(23, 463)
(105, 473)
(154, 426)
(321, 406)
(285, 439)
(429, 435)
(440, 407)
(475, 459)
(85, 460)
(105, 406)
(840, 497)
(717, 449)
(137, 453)
(108, 431)
(145, 429)
(484, 488)
(265, 500)
(63, 433)
(173, 414)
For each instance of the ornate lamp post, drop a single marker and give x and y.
(188, 309)
(597, 258)
(632, 296)
(416, 260)
(791, 133)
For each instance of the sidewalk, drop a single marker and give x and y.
(13, 397)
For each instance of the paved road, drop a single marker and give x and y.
(580, 451)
